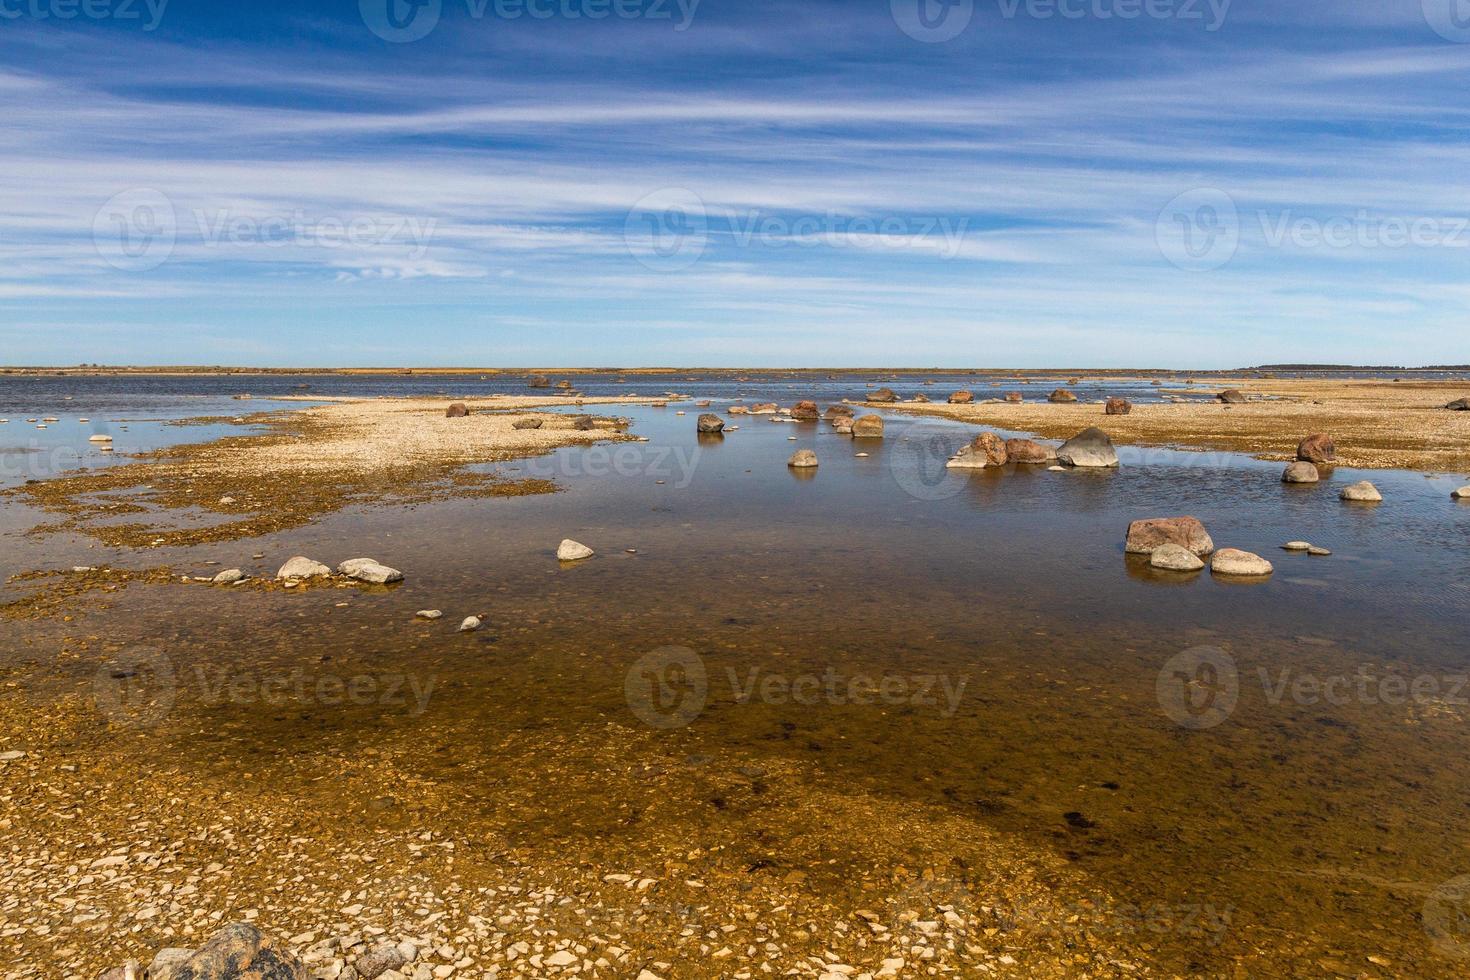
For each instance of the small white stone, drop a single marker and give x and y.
(570, 550)
(470, 624)
(428, 614)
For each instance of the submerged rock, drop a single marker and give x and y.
(1297, 546)
(570, 550)
(1233, 561)
(1147, 536)
(1300, 472)
(301, 567)
(229, 577)
(1317, 448)
(1089, 448)
(236, 952)
(1175, 558)
(711, 423)
(429, 614)
(1461, 494)
(469, 624)
(1361, 492)
(802, 459)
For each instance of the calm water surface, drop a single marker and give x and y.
(1308, 776)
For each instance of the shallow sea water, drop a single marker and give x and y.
(973, 642)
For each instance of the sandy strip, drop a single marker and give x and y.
(316, 461)
(1376, 424)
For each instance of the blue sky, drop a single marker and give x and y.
(974, 183)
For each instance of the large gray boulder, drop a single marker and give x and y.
(1361, 492)
(1088, 448)
(301, 567)
(367, 570)
(1300, 472)
(1233, 561)
(236, 952)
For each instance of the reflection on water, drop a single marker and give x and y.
(1034, 671)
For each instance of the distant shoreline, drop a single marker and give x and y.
(501, 372)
